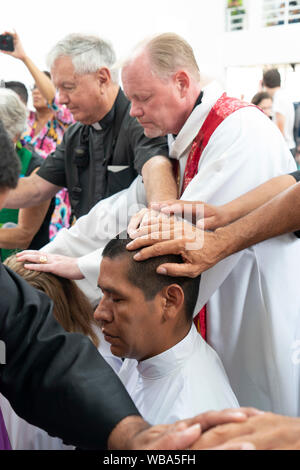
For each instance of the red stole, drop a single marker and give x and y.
(223, 108)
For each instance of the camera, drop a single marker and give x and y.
(6, 42)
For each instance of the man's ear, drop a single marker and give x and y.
(173, 297)
(103, 76)
(182, 82)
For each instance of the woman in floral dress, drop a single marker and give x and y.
(46, 126)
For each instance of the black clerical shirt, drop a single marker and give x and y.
(113, 153)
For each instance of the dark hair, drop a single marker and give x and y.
(263, 95)
(271, 78)
(9, 163)
(19, 88)
(143, 274)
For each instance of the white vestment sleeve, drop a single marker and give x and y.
(91, 232)
(245, 150)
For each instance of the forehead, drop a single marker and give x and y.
(137, 76)
(63, 69)
(113, 274)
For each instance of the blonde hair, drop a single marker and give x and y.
(71, 307)
(168, 53)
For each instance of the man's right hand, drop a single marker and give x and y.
(206, 216)
(60, 265)
(266, 431)
(133, 433)
(198, 249)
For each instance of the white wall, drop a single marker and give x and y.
(258, 45)
(125, 22)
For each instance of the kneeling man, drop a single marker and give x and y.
(170, 371)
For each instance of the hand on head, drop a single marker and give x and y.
(60, 265)
(205, 216)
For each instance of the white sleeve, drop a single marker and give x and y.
(91, 232)
(245, 150)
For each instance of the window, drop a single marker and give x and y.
(280, 12)
(236, 15)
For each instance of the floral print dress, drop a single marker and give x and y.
(45, 143)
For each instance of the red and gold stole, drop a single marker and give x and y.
(223, 108)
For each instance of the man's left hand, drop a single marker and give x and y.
(133, 433)
(265, 431)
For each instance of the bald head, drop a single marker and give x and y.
(162, 81)
(167, 53)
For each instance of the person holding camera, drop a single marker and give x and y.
(46, 124)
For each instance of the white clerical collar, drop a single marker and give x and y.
(170, 360)
(179, 146)
(97, 126)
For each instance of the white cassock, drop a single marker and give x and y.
(179, 383)
(253, 296)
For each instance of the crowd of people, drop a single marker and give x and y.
(158, 319)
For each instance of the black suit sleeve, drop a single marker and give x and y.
(55, 380)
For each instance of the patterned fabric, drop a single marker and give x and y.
(45, 143)
(220, 111)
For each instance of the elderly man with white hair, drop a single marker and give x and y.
(103, 152)
(27, 228)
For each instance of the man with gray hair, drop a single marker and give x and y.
(225, 147)
(103, 152)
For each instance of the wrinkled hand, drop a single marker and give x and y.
(60, 265)
(199, 250)
(182, 434)
(143, 218)
(265, 431)
(18, 51)
(206, 216)
(157, 226)
(177, 436)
